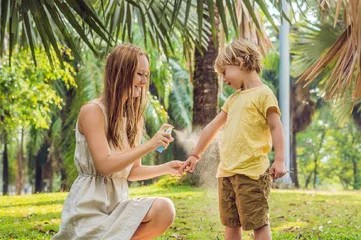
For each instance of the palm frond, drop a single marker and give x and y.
(181, 101)
(49, 22)
(158, 22)
(309, 42)
(346, 54)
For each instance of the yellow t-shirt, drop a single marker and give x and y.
(246, 138)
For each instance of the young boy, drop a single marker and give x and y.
(251, 120)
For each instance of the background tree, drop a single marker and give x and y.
(28, 99)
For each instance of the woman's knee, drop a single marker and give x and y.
(165, 210)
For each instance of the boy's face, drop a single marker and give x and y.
(233, 76)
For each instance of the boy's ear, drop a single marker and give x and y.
(241, 61)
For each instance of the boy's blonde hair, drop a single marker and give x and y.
(240, 53)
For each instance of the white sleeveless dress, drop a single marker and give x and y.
(97, 207)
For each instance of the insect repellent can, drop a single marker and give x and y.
(161, 148)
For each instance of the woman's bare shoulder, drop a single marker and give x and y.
(90, 115)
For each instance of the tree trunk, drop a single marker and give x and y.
(5, 166)
(40, 161)
(205, 103)
(48, 173)
(63, 186)
(205, 93)
(38, 176)
(294, 174)
(49, 167)
(315, 172)
(205, 81)
(20, 161)
(308, 179)
(357, 183)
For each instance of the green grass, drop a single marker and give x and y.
(294, 214)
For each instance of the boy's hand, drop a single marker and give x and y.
(173, 167)
(188, 165)
(278, 169)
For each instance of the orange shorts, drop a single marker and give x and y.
(244, 201)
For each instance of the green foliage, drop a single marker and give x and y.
(173, 181)
(27, 94)
(161, 77)
(346, 148)
(334, 148)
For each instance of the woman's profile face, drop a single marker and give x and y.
(141, 76)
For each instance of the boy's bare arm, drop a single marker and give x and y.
(278, 168)
(208, 134)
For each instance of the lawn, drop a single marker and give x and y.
(294, 214)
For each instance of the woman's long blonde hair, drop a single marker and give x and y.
(120, 67)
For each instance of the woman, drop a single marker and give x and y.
(108, 153)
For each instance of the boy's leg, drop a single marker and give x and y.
(233, 233)
(252, 202)
(228, 209)
(263, 233)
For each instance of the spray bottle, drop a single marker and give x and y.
(161, 148)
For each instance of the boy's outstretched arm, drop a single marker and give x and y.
(208, 134)
(278, 168)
